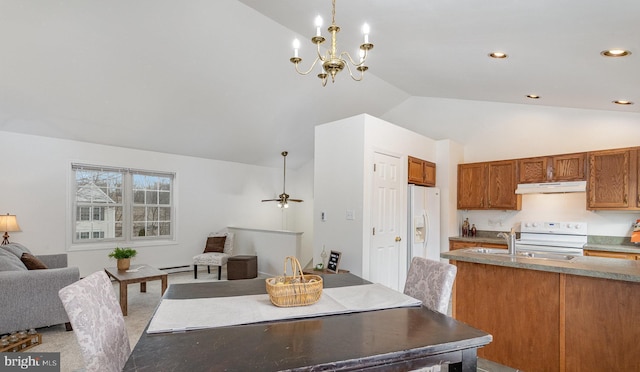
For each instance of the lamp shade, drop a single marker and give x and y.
(9, 223)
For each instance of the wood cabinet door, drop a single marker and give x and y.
(421, 172)
(533, 170)
(472, 186)
(626, 256)
(415, 171)
(635, 174)
(609, 176)
(461, 245)
(429, 172)
(502, 185)
(570, 167)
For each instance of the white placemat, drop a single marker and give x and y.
(198, 313)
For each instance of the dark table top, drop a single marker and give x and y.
(396, 339)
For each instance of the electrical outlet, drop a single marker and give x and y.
(350, 215)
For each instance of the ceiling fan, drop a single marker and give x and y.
(283, 199)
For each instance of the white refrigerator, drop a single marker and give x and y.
(423, 222)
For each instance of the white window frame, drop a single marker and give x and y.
(128, 236)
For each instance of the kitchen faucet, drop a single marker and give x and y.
(511, 241)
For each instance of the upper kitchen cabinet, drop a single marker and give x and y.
(569, 167)
(488, 185)
(422, 172)
(613, 180)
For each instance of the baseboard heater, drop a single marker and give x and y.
(176, 269)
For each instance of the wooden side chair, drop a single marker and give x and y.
(431, 282)
(98, 322)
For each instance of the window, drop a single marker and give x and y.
(121, 204)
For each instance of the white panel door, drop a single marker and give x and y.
(388, 252)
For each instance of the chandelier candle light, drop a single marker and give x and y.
(332, 62)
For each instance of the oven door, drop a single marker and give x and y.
(568, 251)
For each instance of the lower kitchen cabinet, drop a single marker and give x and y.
(607, 254)
(547, 321)
(453, 245)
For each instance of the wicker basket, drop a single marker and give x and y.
(295, 290)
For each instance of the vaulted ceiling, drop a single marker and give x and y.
(213, 78)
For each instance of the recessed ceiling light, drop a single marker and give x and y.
(622, 102)
(615, 53)
(533, 96)
(498, 55)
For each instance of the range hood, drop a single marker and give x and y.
(551, 187)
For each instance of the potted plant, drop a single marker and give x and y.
(123, 255)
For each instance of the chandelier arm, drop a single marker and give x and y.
(309, 70)
(320, 56)
(351, 73)
(348, 56)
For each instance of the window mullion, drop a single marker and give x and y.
(128, 207)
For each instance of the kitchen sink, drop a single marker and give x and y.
(488, 250)
(523, 254)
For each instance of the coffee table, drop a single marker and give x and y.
(136, 274)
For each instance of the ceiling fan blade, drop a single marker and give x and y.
(268, 200)
(295, 200)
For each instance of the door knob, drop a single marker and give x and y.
(398, 238)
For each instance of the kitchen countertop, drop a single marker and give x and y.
(598, 267)
(622, 248)
(595, 243)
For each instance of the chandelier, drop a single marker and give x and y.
(331, 63)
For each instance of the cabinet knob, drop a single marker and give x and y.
(398, 238)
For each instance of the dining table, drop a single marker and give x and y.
(392, 339)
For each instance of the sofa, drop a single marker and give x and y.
(30, 296)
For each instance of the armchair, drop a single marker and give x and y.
(218, 249)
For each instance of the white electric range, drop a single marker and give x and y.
(567, 238)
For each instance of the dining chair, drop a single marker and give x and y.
(430, 282)
(98, 322)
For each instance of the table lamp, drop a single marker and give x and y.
(8, 223)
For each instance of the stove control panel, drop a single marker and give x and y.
(546, 227)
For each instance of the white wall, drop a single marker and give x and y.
(338, 185)
(495, 131)
(450, 154)
(210, 195)
(344, 153)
